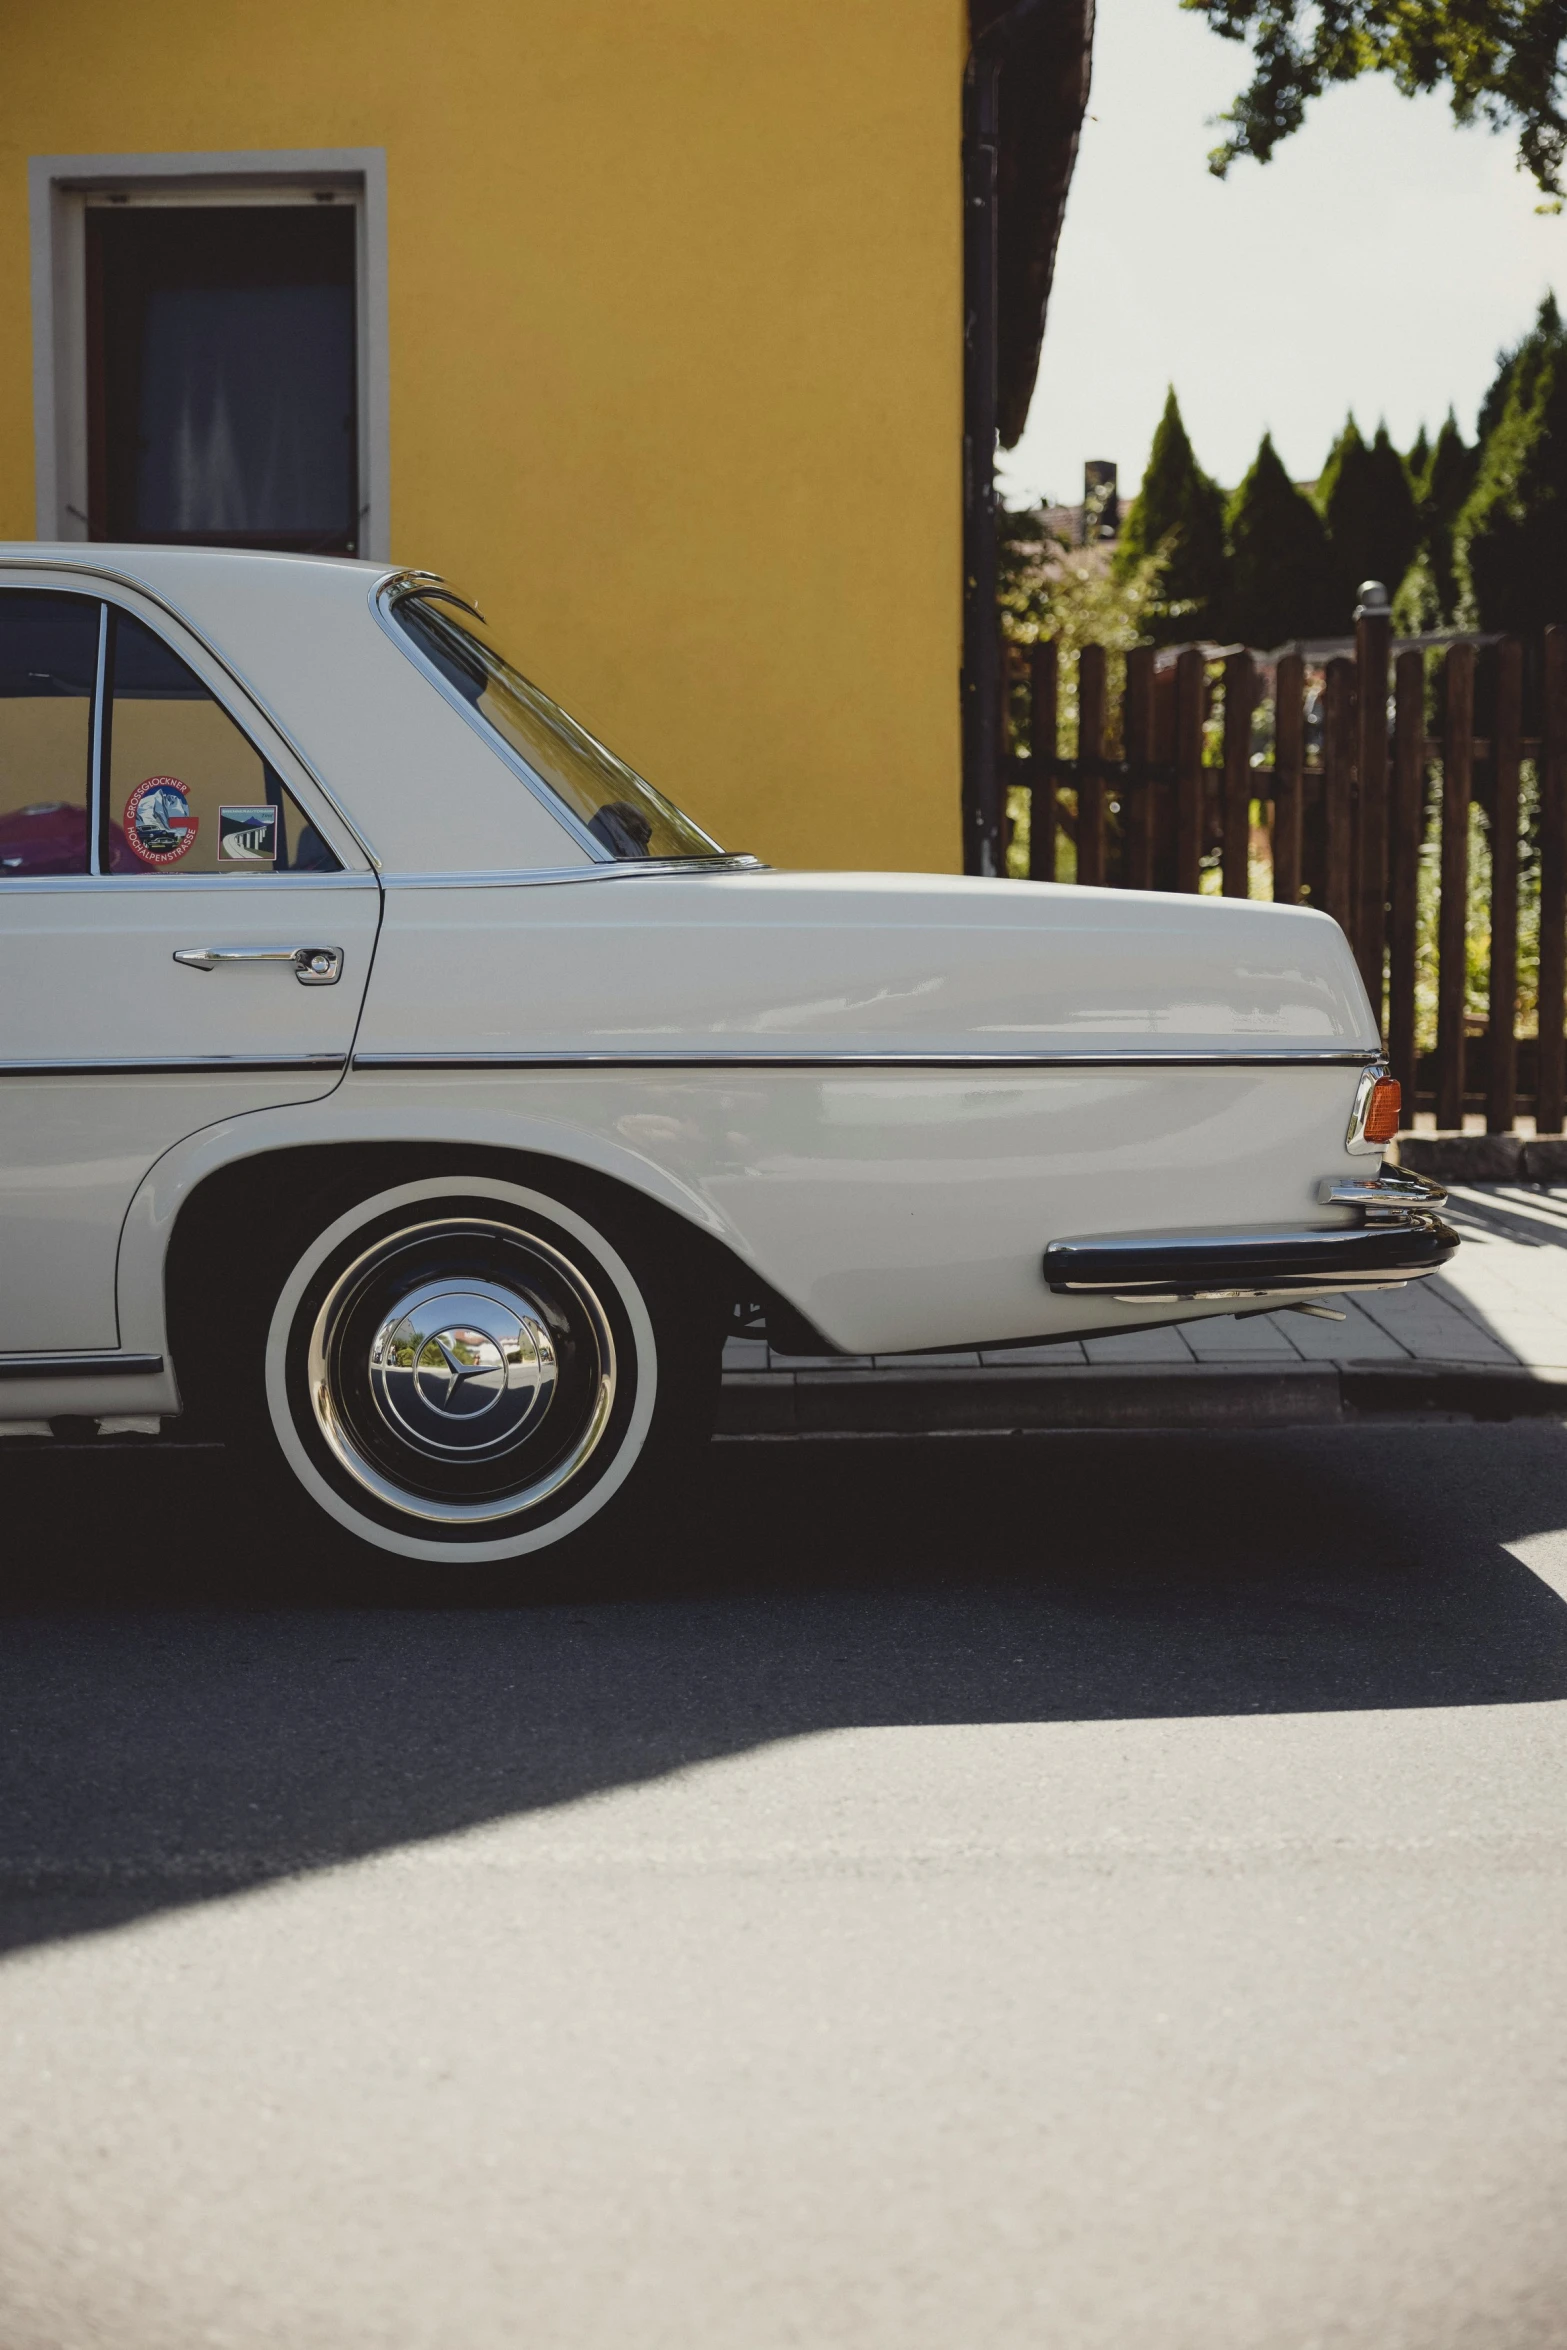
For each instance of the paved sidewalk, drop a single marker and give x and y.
(1486, 1339)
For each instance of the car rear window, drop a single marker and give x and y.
(623, 814)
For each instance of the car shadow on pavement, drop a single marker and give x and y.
(186, 1714)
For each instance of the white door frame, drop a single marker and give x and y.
(59, 190)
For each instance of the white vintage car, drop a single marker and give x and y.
(393, 1074)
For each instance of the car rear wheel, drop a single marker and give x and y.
(463, 1371)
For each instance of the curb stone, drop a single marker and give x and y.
(1091, 1398)
(1105, 1397)
(1484, 1158)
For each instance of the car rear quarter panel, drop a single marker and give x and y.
(897, 1209)
(885, 1096)
(910, 1208)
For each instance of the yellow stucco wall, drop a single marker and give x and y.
(675, 351)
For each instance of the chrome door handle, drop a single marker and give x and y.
(313, 966)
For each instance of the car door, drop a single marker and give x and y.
(185, 936)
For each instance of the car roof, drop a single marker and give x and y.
(176, 563)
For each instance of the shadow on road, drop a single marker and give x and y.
(183, 1715)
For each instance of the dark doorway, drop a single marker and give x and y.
(222, 402)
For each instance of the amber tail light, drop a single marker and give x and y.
(1382, 1111)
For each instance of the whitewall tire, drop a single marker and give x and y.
(463, 1370)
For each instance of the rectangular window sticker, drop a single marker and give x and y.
(248, 836)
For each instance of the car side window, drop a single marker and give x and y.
(185, 790)
(48, 672)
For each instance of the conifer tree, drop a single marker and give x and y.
(1392, 522)
(1510, 541)
(1279, 584)
(1417, 602)
(1428, 596)
(1342, 498)
(1448, 478)
(1176, 521)
(1366, 502)
(1517, 369)
(1416, 462)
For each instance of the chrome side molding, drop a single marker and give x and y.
(725, 1057)
(197, 1065)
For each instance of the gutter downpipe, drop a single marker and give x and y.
(984, 793)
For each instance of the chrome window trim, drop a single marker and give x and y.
(192, 1065)
(433, 585)
(558, 876)
(228, 882)
(95, 753)
(99, 1364)
(103, 574)
(385, 595)
(723, 1058)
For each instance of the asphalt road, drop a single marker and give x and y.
(1104, 1894)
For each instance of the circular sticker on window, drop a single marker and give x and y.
(159, 827)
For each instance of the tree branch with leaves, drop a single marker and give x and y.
(1500, 62)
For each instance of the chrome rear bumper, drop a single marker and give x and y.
(1399, 1238)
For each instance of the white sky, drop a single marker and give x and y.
(1377, 263)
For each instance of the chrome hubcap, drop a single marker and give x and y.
(461, 1371)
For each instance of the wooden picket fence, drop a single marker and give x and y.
(1345, 805)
